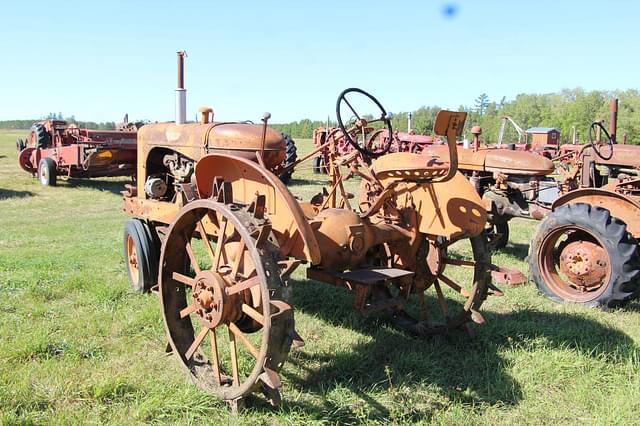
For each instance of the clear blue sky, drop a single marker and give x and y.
(98, 60)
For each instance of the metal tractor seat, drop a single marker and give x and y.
(409, 167)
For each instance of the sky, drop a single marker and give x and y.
(99, 60)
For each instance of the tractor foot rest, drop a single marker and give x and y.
(359, 282)
(366, 276)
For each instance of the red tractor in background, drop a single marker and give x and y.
(57, 148)
(399, 142)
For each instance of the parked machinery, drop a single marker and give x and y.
(56, 148)
(586, 249)
(377, 138)
(231, 234)
(512, 183)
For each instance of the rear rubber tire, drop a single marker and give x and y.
(291, 155)
(611, 234)
(139, 242)
(47, 172)
(40, 136)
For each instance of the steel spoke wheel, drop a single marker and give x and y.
(451, 283)
(227, 313)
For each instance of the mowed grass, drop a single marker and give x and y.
(77, 346)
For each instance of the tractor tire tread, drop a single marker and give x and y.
(622, 248)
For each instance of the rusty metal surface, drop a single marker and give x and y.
(581, 259)
(497, 161)
(239, 293)
(409, 167)
(248, 178)
(620, 206)
(584, 262)
(254, 233)
(509, 276)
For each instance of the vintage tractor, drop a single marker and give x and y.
(586, 249)
(230, 234)
(56, 148)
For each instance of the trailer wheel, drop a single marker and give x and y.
(141, 253)
(582, 254)
(291, 155)
(319, 165)
(47, 172)
(317, 162)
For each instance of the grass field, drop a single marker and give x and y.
(77, 346)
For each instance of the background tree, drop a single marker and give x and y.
(482, 102)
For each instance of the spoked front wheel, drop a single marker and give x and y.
(227, 313)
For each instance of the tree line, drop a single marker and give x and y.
(562, 110)
(26, 124)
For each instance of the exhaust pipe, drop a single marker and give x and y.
(613, 119)
(181, 92)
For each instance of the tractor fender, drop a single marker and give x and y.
(25, 159)
(618, 205)
(248, 178)
(446, 209)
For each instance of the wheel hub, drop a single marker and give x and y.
(585, 264)
(213, 305)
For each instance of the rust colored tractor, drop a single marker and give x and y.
(221, 235)
(586, 249)
(56, 148)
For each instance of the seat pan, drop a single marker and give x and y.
(407, 166)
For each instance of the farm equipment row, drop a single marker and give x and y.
(217, 234)
(515, 180)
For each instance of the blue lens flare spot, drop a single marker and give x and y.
(450, 10)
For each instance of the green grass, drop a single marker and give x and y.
(77, 346)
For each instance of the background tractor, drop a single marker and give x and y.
(377, 138)
(230, 234)
(56, 148)
(586, 249)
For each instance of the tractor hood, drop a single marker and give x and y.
(496, 160)
(626, 156)
(196, 140)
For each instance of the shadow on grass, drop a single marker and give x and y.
(10, 193)
(518, 250)
(2, 156)
(315, 182)
(464, 370)
(113, 186)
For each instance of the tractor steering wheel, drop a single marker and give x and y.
(361, 123)
(595, 145)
